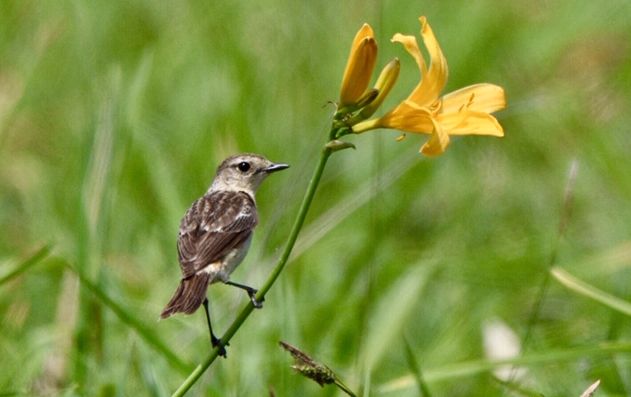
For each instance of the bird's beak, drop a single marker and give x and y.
(275, 167)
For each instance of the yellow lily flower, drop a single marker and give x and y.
(359, 66)
(462, 112)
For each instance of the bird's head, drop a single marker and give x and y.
(244, 172)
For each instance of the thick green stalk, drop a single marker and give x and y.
(280, 265)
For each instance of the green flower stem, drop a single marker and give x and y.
(280, 265)
(300, 220)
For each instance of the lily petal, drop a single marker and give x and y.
(409, 117)
(411, 46)
(437, 143)
(434, 79)
(481, 97)
(468, 122)
(359, 66)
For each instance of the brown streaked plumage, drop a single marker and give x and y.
(216, 231)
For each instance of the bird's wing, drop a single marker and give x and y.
(213, 226)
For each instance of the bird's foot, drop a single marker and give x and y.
(222, 347)
(258, 304)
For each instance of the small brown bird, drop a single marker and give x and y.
(216, 232)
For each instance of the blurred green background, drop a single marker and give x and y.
(114, 116)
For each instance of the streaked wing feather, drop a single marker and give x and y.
(213, 226)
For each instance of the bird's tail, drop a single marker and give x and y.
(189, 295)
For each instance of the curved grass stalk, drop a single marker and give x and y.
(26, 264)
(451, 372)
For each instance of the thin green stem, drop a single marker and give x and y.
(300, 220)
(344, 388)
(280, 265)
(415, 368)
(566, 213)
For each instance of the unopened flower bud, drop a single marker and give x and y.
(359, 66)
(384, 84)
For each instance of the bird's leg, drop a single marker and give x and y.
(213, 339)
(251, 293)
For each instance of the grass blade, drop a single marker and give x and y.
(149, 337)
(26, 264)
(470, 368)
(590, 291)
(415, 368)
(391, 314)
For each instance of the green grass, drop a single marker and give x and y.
(114, 115)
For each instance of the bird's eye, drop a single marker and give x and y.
(243, 166)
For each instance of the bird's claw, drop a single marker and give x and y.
(258, 304)
(222, 347)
